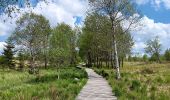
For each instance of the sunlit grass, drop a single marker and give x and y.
(140, 81)
(46, 86)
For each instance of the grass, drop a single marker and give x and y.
(140, 81)
(16, 85)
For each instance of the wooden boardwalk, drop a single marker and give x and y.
(96, 88)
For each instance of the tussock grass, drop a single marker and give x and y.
(46, 86)
(140, 81)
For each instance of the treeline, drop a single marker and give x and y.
(107, 29)
(153, 52)
(165, 57)
(34, 43)
(96, 42)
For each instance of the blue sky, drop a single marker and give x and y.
(158, 14)
(156, 19)
(156, 22)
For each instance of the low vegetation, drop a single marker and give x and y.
(140, 81)
(46, 85)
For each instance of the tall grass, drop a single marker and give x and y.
(46, 86)
(140, 81)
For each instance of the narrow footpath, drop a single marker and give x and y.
(96, 88)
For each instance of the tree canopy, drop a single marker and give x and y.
(31, 35)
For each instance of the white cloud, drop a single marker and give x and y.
(149, 30)
(141, 2)
(155, 3)
(56, 12)
(2, 46)
(6, 26)
(62, 11)
(166, 3)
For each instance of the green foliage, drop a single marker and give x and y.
(140, 81)
(117, 91)
(62, 46)
(1, 61)
(154, 57)
(125, 43)
(95, 37)
(103, 73)
(135, 85)
(153, 47)
(31, 35)
(145, 57)
(21, 61)
(23, 86)
(8, 56)
(167, 55)
(159, 79)
(129, 58)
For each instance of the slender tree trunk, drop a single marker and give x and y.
(115, 56)
(89, 60)
(158, 57)
(119, 62)
(94, 61)
(108, 60)
(122, 61)
(116, 59)
(111, 60)
(46, 52)
(97, 61)
(45, 61)
(100, 63)
(32, 62)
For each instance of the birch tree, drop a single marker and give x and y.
(31, 35)
(118, 11)
(62, 46)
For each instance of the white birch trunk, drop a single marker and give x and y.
(116, 60)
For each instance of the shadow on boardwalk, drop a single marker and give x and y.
(96, 88)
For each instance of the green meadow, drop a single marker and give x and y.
(140, 81)
(62, 84)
